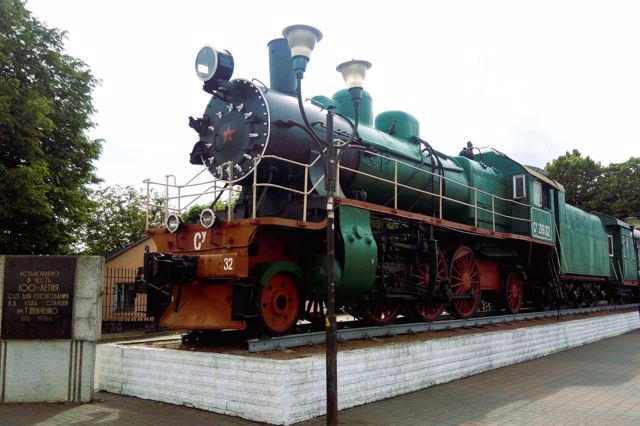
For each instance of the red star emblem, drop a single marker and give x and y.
(228, 134)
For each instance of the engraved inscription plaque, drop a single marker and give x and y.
(38, 297)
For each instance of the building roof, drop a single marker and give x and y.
(127, 248)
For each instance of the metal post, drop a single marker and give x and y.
(179, 196)
(337, 185)
(148, 182)
(166, 197)
(441, 189)
(255, 186)
(395, 185)
(304, 203)
(475, 206)
(230, 173)
(493, 213)
(331, 327)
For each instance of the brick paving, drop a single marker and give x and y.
(596, 384)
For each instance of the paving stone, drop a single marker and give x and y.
(595, 384)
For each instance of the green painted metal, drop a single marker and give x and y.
(583, 243)
(281, 73)
(488, 181)
(399, 124)
(360, 254)
(315, 275)
(282, 266)
(494, 173)
(425, 179)
(344, 106)
(325, 101)
(355, 271)
(542, 224)
(623, 263)
(410, 164)
(628, 259)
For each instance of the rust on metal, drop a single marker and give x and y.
(489, 275)
(584, 278)
(222, 265)
(280, 303)
(203, 306)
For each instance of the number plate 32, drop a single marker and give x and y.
(218, 265)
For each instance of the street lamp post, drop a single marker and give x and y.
(302, 40)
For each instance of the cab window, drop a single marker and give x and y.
(519, 190)
(541, 196)
(610, 237)
(537, 193)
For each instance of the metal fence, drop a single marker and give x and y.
(122, 306)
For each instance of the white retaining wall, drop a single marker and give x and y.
(285, 392)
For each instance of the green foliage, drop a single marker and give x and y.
(618, 188)
(192, 214)
(579, 176)
(46, 159)
(119, 219)
(610, 190)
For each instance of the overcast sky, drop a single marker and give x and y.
(531, 78)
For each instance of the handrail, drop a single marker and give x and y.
(442, 197)
(305, 192)
(438, 175)
(214, 187)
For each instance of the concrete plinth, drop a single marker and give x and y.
(289, 391)
(56, 370)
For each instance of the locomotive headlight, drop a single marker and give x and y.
(207, 218)
(173, 222)
(211, 63)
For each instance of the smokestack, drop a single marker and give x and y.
(281, 75)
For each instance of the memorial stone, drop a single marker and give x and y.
(50, 324)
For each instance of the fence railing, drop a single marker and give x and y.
(122, 305)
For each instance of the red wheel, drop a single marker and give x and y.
(513, 292)
(465, 281)
(380, 313)
(429, 311)
(279, 304)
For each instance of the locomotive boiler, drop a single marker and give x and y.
(417, 231)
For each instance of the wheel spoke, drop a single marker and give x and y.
(380, 313)
(514, 292)
(465, 276)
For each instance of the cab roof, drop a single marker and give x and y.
(554, 184)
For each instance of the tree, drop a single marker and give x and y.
(192, 214)
(46, 158)
(618, 189)
(579, 176)
(119, 219)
